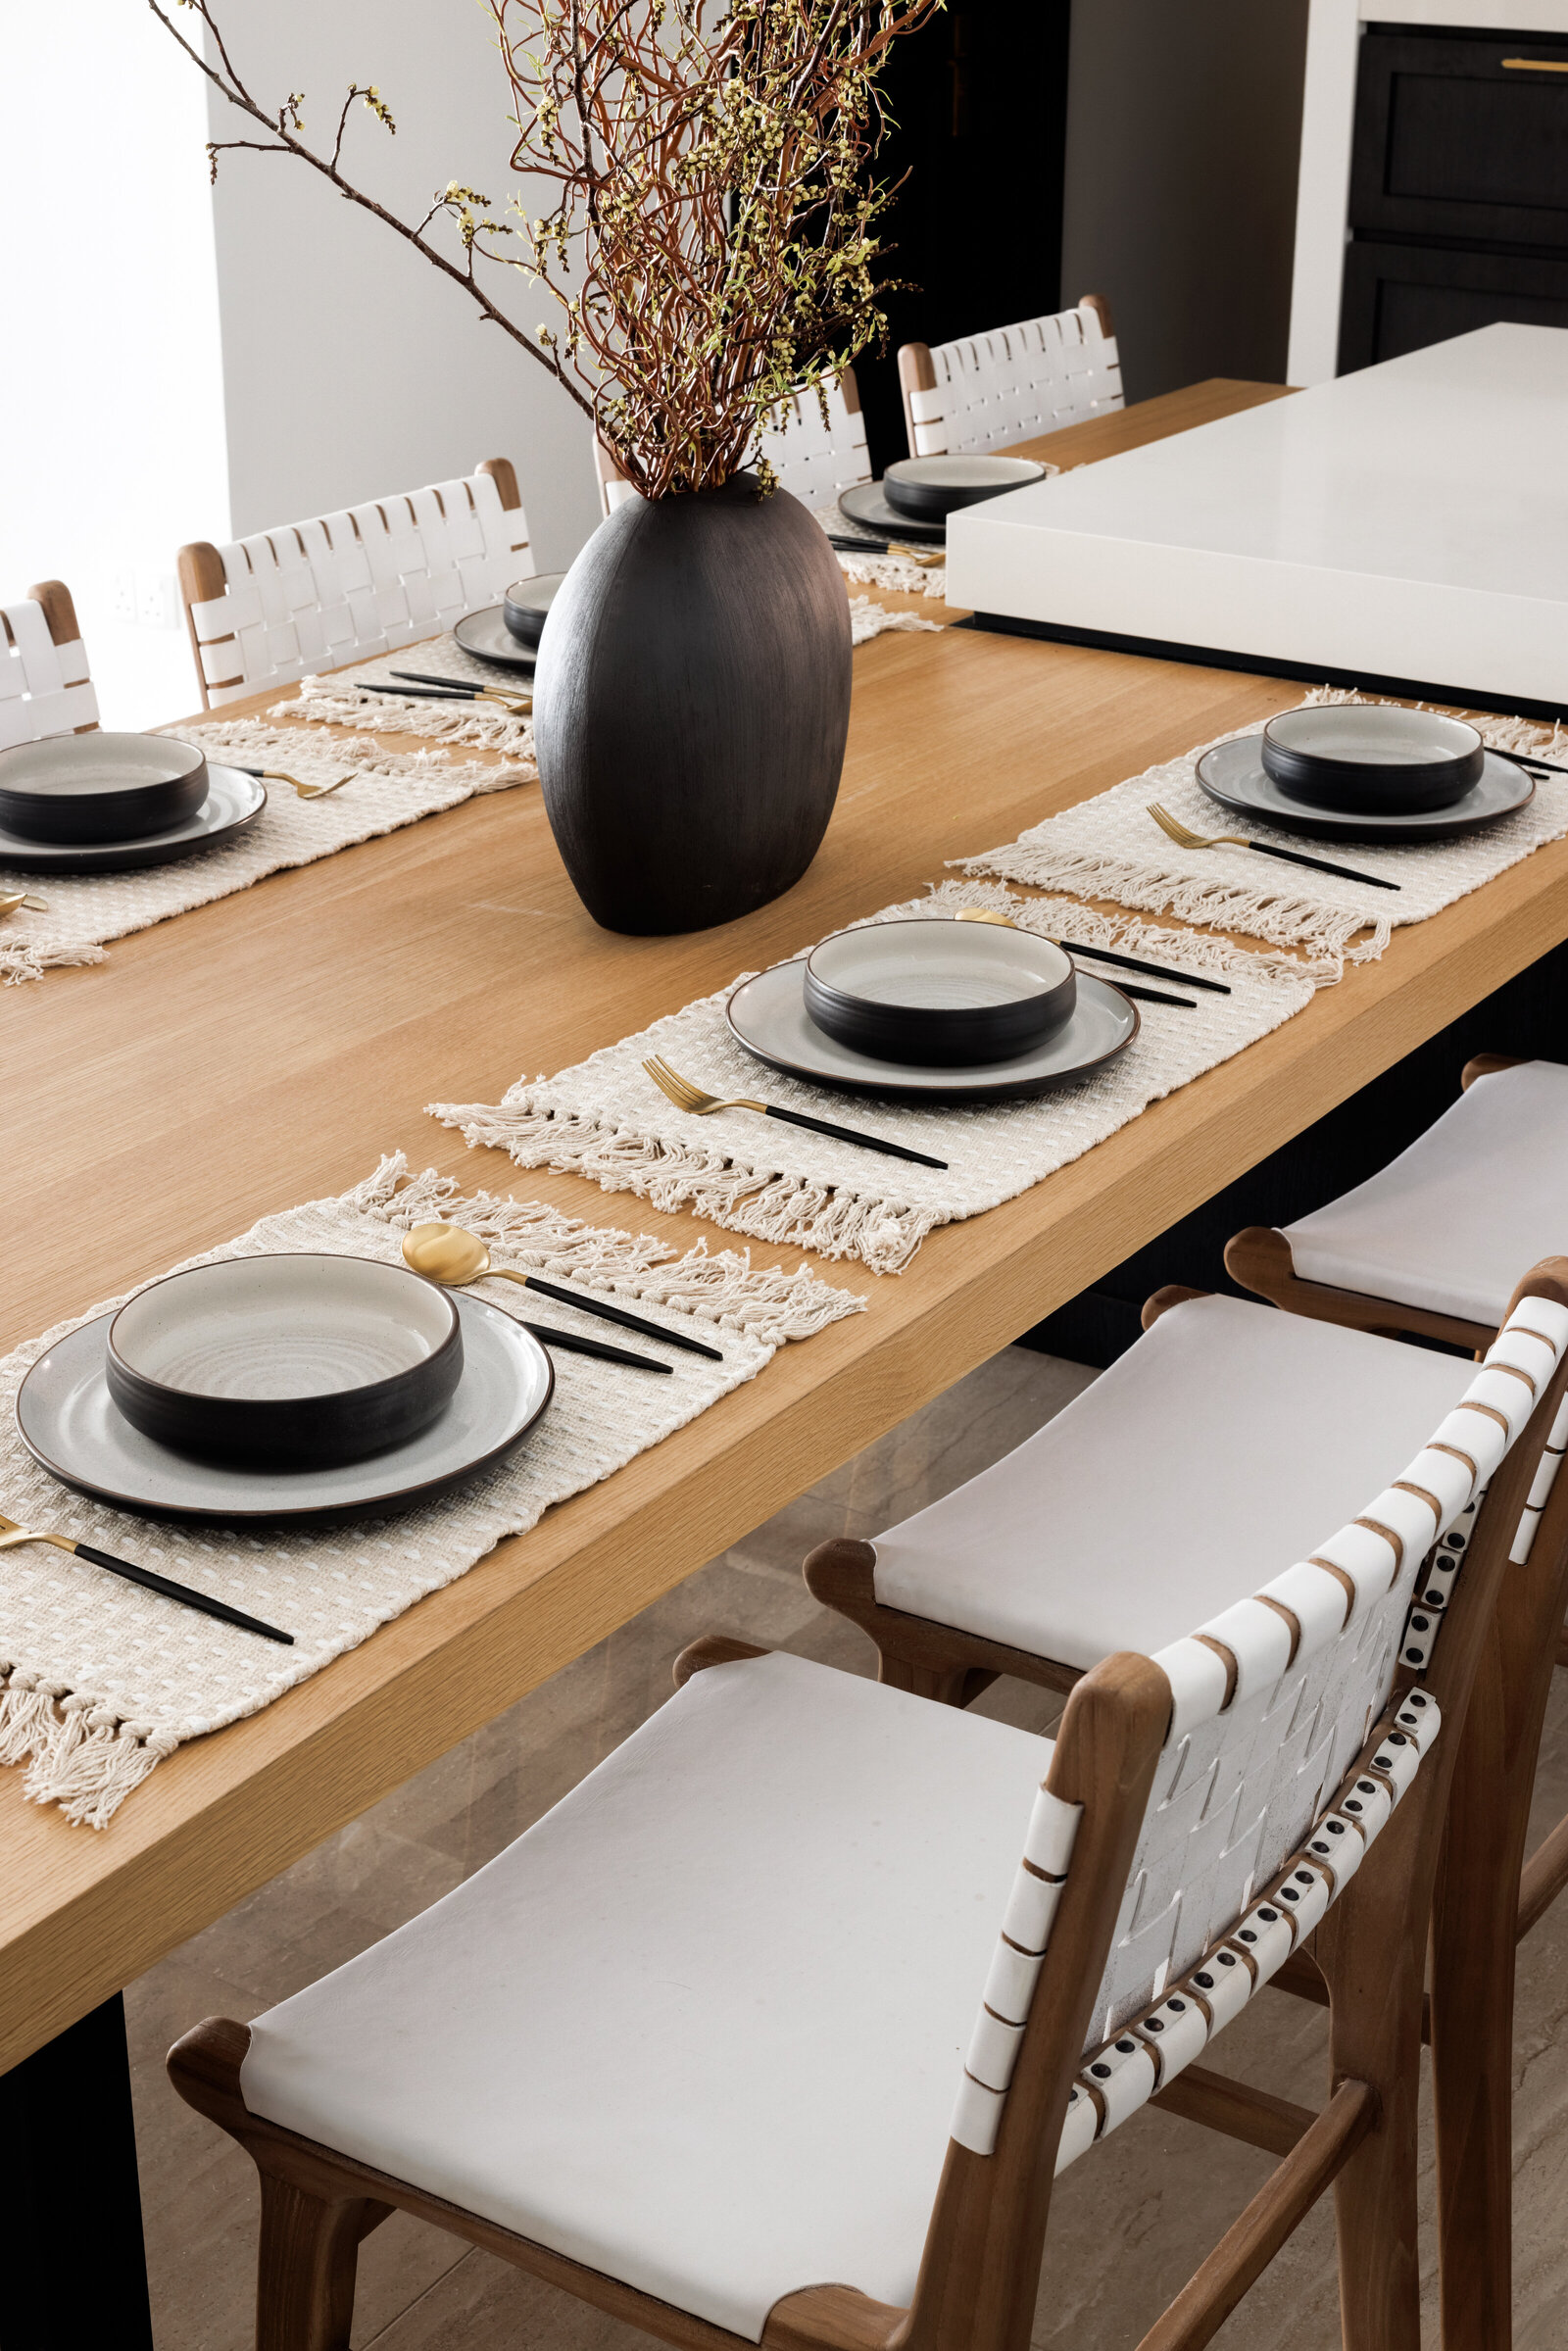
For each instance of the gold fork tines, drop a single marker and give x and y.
(11, 901)
(687, 1097)
(1184, 836)
(278, 775)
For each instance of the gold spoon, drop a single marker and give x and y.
(11, 900)
(929, 560)
(446, 1253)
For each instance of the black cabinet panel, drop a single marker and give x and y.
(1457, 137)
(1400, 297)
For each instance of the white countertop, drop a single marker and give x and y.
(1409, 522)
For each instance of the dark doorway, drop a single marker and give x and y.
(979, 96)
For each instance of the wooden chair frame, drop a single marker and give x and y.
(54, 600)
(1489, 1895)
(979, 2276)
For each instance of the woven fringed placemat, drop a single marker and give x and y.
(99, 1680)
(606, 1120)
(1110, 846)
(339, 699)
(390, 789)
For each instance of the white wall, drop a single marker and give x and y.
(1183, 131)
(185, 363)
(352, 366)
(111, 398)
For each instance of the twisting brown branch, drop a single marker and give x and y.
(285, 126)
(710, 241)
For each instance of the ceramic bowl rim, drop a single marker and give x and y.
(186, 1399)
(1394, 784)
(944, 1015)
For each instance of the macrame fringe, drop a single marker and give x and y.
(29, 958)
(335, 702)
(869, 619)
(82, 1755)
(287, 747)
(1085, 926)
(894, 572)
(774, 1208)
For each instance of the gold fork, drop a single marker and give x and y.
(687, 1097)
(276, 775)
(13, 1535)
(12, 900)
(1186, 837)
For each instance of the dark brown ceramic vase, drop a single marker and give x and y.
(691, 704)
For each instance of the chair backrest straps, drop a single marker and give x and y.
(815, 443)
(1015, 383)
(44, 688)
(1282, 1760)
(366, 580)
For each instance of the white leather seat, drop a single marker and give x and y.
(1450, 1222)
(615, 2039)
(1210, 1457)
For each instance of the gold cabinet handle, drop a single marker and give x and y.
(1534, 65)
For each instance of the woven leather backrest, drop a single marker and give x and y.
(44, 687)
(314, 595)
(1246, 1787)
(1017, 382)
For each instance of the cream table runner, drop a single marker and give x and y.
(99, 1680)
(392, 788)
(605, 1119)
(1110, 846)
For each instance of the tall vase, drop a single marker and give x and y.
(691, 704)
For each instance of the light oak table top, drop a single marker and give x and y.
(265, 1049)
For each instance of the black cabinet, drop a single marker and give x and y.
(1458, 211)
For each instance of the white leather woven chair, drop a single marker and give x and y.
(1012, 384)
(814, 456)
(341, 587)
(689, 2048)
(1420, 1248)
(44, 684)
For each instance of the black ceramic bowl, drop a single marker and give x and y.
(942, 995)
(1372, 759)
(100, 787)
(526, 604)
(287, 1362)
(928, 489)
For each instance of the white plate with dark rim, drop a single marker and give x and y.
(767, 1015)
(233, 800)
(68, 1423)
(1233, 775)
(487, 637)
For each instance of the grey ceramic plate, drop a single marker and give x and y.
(233, 800)
(767, 1015)
(68, 1423)
(486, 635)
(866, 504)
(1234, 774)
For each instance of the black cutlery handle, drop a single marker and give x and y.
(627, 1322)
(1347, 873)
(1157, 972)
(444, 685)
(367, 685)
(871, 1143)
(1152, 996)
(570, 1343)
(183, 1592)
(1528, 759)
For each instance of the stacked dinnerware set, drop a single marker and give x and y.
(108, 803)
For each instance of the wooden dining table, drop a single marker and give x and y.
(267, 1048)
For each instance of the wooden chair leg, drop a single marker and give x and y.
(305, 2275)
(1375, 2038)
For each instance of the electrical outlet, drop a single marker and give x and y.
(156, 600)
(122, 594)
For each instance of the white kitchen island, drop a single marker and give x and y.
(1405, 527)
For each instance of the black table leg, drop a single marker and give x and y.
(71, 2244)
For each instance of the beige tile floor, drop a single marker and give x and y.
(1127, 2226)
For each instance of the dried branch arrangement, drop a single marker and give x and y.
(711, 243)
